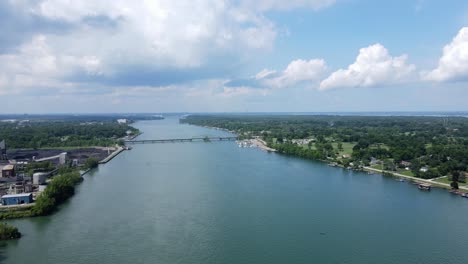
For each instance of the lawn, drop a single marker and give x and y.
(311, 147)
(406, 172)
(347, 147)
(446, 180)
(376, 166)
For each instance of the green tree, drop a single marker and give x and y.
(454, 185)
(44, 205)
(91, 163)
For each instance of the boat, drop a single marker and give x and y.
(457, 192)
(424, 186)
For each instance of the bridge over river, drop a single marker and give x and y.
(170, 140)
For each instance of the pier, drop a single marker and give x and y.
(172, 140)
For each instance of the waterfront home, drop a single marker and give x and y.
(12, 199)
(374, 161)
(424, 169)
(405, 163)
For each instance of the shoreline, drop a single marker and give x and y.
(263, 146)
(25, 207)
(415, 179)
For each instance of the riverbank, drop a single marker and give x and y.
(263, 145)
(415, 179)
(257, 142)
(27, 210)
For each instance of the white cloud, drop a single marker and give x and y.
(264, 73)
(265, 5)
(453, 65)
(161, 33)
(129, 35)
(373, 67)
(296, 72)
(35, 65)
(106, 39)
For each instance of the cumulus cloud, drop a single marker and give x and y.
(453, 65)
(76, 44)
(34, 64)
(296, 73)
(145, 40)
(158, 33)
(374, 66)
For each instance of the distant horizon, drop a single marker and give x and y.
(241, 113)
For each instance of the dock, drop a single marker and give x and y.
(112, 155)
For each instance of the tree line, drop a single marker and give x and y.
(43, 134)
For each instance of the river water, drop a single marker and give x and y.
(218, 203)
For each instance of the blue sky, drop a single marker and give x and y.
(233, 56)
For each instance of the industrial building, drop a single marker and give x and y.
(13, 199)
(39, 178)
(8, 171)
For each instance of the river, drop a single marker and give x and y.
(217, 203)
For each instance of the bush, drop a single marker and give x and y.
(44, 205)
(8, 232)
(91, 163)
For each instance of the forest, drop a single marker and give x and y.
(70, 133)
(420, 146)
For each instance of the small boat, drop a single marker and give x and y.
(457, 192)
(424, 186)
(401, 180)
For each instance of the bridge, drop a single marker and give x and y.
(172, 140)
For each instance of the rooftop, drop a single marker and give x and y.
(8, 167)
(16, 195)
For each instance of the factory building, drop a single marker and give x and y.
(13, 199)
(8, 171)
(39, 178)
